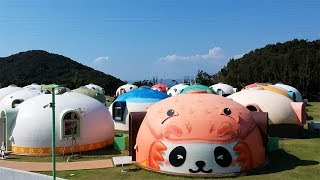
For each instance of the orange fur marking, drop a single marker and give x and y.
(188, 125)
(155, 154)
(227, 128)
(245, 156)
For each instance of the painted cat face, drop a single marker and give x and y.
(193, 158)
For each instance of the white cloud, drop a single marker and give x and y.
(100, 60)
(213, 54)
(238, 56)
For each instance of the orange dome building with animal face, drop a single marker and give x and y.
(200, 134)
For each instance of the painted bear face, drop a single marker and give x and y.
(193, 158)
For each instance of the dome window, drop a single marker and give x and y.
(71, 125)
(118, 110)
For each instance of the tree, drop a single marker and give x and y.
(204, 78)
(296, 63)
(143, 83)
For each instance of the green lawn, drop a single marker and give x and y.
(296, 159)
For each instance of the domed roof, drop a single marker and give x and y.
(17, 97)
(33, 86)
(226, 88)
(276, 90)
(298, 96)
(197, 88)
(91, 93)
(95, 87)
(7, 90)
(269, 87)
(161, 87)
(176, 89)
(142, 95)
(125, 88)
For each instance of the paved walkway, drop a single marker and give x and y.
(60, 166)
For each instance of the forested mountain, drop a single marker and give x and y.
(41, 67)
(296, 63)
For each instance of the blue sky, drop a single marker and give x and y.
(136, 40)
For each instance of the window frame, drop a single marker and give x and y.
(118, 106)
(72, 119)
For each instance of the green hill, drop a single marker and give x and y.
(295, 62)
(41, 67)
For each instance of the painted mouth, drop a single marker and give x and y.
(200, 170)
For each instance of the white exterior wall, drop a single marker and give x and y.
(279, 107)
(34, 120)
(130, 107)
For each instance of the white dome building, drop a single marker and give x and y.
(125, 88)
(7, 90)
(78, 117)
(223, 89)
(286, 117)
(13, 99)
(33, 86)
(176, 89)
(294, 93)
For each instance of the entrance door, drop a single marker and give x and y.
(220, 92)
(3, 127)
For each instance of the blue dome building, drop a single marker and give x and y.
(137, 100)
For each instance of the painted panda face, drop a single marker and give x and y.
(200, 158)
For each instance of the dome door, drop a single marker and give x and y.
(3, 127)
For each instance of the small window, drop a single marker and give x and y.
(293, 96)
(71, 125)
(252, 108)
(16, 102)
(122, 91)
(118, 110)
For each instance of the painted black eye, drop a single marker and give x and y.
(222, 156)
(227, 111)
(177, 156)
(170, 112)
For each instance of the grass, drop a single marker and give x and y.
(296, 159)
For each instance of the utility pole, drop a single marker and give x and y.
(53, 148)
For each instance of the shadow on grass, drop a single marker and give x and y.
(102, 151)
(280, 161)
(309, 134)
(309, 118)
